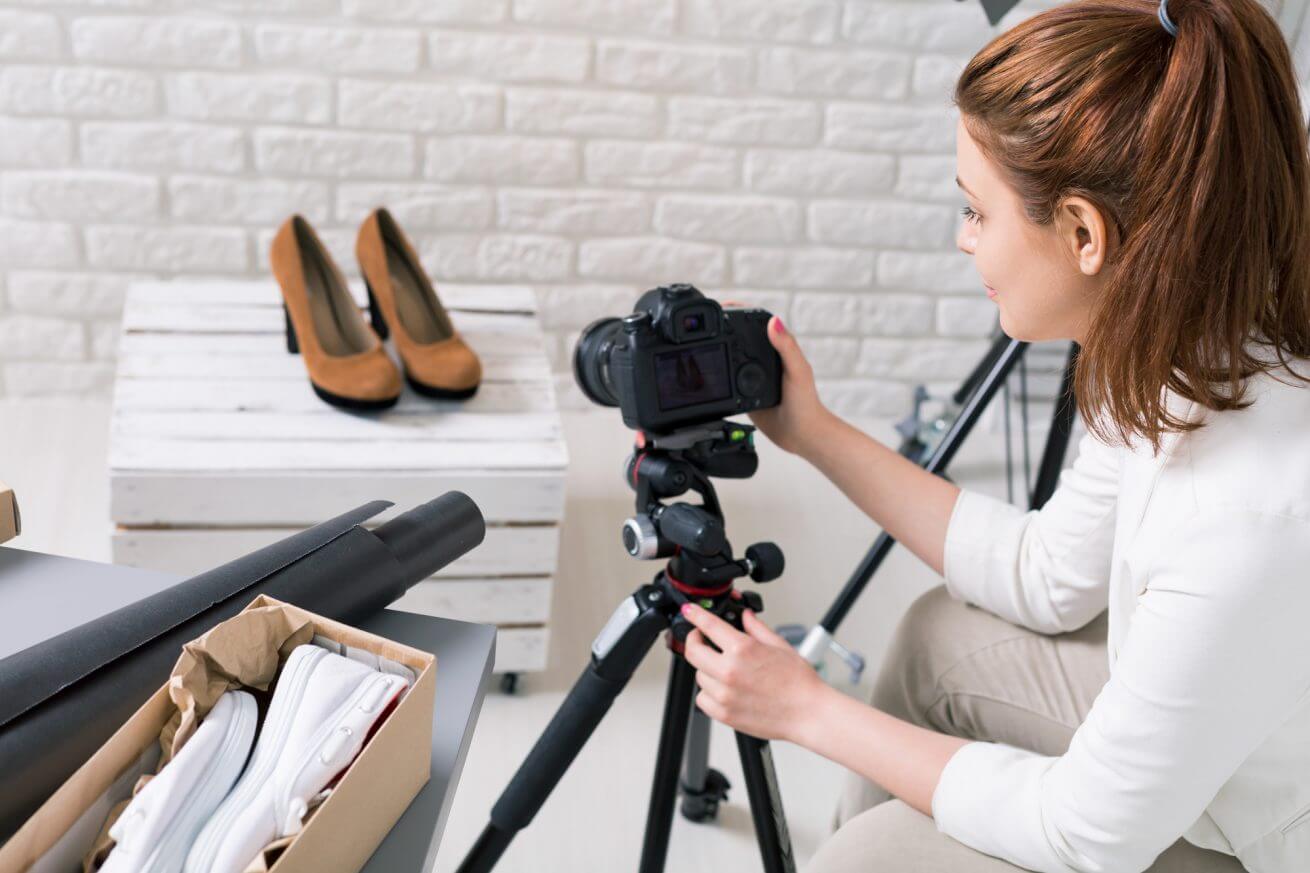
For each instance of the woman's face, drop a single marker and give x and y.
(1042, 279)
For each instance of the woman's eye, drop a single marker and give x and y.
(969, 214)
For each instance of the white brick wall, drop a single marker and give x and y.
(794, 153)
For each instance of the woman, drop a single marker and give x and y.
(1137, 181)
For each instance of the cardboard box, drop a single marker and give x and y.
(10, 523)
(340, 834)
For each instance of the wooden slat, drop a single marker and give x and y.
(217, 395)
(272, 365)
(254, 455)
(529, 550)
(188, 318)
(238, 345)
(276, 498)
(226, 292)
(432, 427)
(490, 601)
(521, 649)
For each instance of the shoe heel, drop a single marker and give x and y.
(293, 346)
(375, 314)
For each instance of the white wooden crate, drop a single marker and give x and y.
(219, 446)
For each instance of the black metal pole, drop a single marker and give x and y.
(1057, 442)
(695, 771)
(575, 720)
(703, 787)
(766, 804)
(668, 761)
(986, 381)
(980, 370)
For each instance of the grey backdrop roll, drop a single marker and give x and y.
(61, 699)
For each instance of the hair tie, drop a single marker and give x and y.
(1163, 14)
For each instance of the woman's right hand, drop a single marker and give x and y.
(794, 421)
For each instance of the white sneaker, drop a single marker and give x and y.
(322, 710)
(156, 830)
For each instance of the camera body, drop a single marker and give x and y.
(680, 359)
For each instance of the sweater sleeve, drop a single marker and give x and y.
(1047, 569)
(1215, 659)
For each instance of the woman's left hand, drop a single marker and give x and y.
(756, 683)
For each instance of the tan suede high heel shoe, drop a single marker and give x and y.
(437, 361)
(347, 363)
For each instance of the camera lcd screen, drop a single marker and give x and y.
(687, 377)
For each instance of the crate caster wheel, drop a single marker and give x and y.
(702, 806)
(509, 683)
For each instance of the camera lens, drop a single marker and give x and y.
(591, 361)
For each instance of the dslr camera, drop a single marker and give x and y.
(679, 360)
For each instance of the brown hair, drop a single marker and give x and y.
(1195, 150)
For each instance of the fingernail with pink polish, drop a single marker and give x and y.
(782, 328)
(686, 608)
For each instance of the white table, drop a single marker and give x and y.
(219, 446)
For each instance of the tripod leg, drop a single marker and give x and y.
(664, 785)
(703, 787)
(616, 653)
(766, 804)
(696, 762)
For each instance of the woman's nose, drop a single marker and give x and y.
(966, 238)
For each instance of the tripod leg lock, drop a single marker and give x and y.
(623, 617)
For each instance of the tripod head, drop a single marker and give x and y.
(666, 466)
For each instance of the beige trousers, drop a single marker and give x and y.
(960, 670)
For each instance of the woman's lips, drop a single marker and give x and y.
(991, 292)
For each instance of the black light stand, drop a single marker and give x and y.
(700, 567)
(971, 399)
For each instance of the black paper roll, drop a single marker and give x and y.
(60, 700)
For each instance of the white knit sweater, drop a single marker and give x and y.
(1202, 555)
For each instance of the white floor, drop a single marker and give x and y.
(54, 455)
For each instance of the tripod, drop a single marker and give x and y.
(700, 567)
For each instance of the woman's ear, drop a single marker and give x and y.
(1085, 234)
